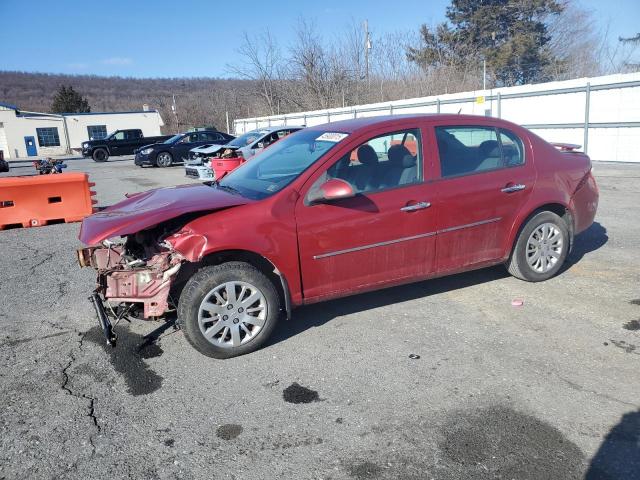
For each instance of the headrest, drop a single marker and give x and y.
(367, 155)
(408, 161)
(488, 148)
(397, 153)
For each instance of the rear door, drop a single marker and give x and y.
(486, 176)
(386, 233)
(132, 140)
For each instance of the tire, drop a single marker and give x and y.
(228, 322)
(164, 159)
(100, 155)
(540, 256)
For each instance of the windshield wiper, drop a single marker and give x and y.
(227, 188)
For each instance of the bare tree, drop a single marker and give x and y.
(578, 43)
(262, 63)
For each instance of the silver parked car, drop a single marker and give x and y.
(246, 146)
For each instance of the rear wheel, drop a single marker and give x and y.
(228, 310)
(164, 159)
(541, 248)
(100, 155)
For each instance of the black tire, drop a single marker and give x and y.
(519, 267)
(201, 285)
(100, 155)
(164, 159)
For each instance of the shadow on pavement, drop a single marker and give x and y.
(618, 457)
(318, 314)
(315, 315)
(588, 241)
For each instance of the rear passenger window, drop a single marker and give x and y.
(467, 150)
(388, 161)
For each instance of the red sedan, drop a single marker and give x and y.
(335, 210)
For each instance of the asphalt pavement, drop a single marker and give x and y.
(443, 379)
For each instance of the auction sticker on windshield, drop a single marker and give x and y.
(331, 137)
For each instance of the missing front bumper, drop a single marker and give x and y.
(146, 284)
(103, 319)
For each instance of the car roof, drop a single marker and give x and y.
(356, 124)
(199, 131)
(276, 128)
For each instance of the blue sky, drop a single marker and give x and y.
(197, 37)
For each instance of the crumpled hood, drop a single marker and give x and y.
(147, 209)
(208, 149)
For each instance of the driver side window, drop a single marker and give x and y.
(384, 162)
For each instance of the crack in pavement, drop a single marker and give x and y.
(580, 388)
(65, 386)
(32, 268)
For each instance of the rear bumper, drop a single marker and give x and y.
(584, 203)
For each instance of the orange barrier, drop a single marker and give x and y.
(44, 199)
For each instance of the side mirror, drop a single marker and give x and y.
(334, 189)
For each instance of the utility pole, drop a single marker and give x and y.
(175, 112)
(227, 115)
(484, 74)
(367, 47)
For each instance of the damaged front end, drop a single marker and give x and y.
(135, 277)
(136, 274)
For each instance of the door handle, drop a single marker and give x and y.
(415, 206)
(513, 188)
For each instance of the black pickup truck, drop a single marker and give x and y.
(120, 142)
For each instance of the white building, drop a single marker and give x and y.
(33, 134)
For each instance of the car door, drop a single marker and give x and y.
(486, 176)
(385, 234)
(131, 142)
(181, 148)
(117, 143)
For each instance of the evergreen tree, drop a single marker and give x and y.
(67, 100)
(511, 35)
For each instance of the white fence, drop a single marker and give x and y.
(600, 113)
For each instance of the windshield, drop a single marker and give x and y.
(175, 138)
(280, 164)
(247, 139)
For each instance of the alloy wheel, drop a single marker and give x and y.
(164, 160)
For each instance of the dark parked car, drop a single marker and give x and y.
(339, 209)
(120, 142)
(176, 149)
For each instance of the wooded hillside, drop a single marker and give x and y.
(199, 101)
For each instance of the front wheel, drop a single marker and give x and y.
(228, 310)
(541, 248)
(164, 159)
(100, 155)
